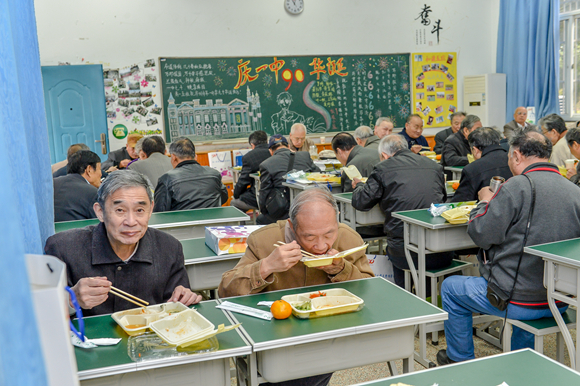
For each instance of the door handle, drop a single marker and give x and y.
(103, 142)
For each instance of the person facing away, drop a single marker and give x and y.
(189, 185)
(312, 227)
(120, 159)
(245, 191)
(75, 193)
(364, 137)
(456, 119)
(554, 128)
(62, 170)
(349, 153)
(153, 162)
(402, 181)
(272, 172)
(490, 160)
(456, 146)
(298, 140)
(413, 134)
(498, 225)
(122, 251)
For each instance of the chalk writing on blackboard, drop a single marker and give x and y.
(222, 98)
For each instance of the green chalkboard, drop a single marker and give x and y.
(223, 98)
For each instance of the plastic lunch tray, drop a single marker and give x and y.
(336, 301)
(145, 316)
(184, 327)
(327, 260)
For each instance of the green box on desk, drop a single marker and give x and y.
(225, 240)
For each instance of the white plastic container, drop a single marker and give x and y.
(187, 326)
(335, 301)
(137, 320)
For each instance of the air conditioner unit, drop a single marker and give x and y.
(485, 96)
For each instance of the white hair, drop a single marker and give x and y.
(392, 143)
(297, 126)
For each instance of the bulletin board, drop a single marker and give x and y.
(228, 97)
(435, 87)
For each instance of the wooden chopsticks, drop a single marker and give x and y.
(304, 253)
(118, 292)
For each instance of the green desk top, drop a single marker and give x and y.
(566, 251)
(386, 306)
(344, 196)
(196, 251)
(171, 219)
(107, 356)
(454, 168)
(423, 218)
(518, 368)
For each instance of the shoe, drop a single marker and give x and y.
(443, 359)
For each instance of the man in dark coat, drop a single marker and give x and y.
(456, 119)
(122, 251)
(403, 181)
(61, 171)
(76, 192)
(456, 147)
(120, 159)
(189, 185)
(245, 191)
(272, 172)
(490, 160)
(349, 153)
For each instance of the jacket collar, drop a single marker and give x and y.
(542, 167)
(355, 150)
(102, 252)
(491, 149)
(281, 150)
(261, 146)
(186, 162)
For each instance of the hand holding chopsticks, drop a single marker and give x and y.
(137, 301)
(304, 253)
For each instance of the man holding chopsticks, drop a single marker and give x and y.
(122, 251)
(312, 228)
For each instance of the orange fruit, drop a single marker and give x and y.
(455, 185)
(281, 309)
(438, 156)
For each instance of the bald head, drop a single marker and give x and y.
(520, 115)
(297, 135)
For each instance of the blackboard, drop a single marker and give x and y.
(223, 98)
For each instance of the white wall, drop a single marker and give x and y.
(117, 33)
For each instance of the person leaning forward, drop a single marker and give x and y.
(122, 251)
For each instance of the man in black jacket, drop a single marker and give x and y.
(75, 193)
(490, 160)
(456, 148)
(349, 153)
(189, 185)
(403, 181)
(62, 171)
(456, 119)
(272, 172)
(244, 191)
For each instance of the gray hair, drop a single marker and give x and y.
(457, 114)
(182, 148)
(317, 193)
(553, 122)
(483, 137)
(363, 132)
(297, 126)
(469, 121)
(383, 119)
(139, 145)
(392, 143)
(123, 179)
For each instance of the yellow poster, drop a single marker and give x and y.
(435, 87)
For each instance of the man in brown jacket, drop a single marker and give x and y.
(312, 226)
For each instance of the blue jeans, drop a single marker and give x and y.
(463, 295)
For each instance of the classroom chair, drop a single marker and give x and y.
(541, 328)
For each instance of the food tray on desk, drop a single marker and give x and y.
(180, 329)
(335, 301)
(137, 320)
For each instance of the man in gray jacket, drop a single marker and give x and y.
(349, 153)
(153, 163)
(498, 226)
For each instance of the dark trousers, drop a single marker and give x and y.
(315, 380)
(432, 261)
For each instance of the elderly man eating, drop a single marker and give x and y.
(122, 251)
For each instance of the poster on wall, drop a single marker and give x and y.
(435, 87)
(132, 101)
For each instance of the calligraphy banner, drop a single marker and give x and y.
(435, 87)
(223, 98)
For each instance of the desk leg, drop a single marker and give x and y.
(549, 267)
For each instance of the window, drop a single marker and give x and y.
(569, 71)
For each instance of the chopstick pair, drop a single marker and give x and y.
(118, 292)
(304, 253)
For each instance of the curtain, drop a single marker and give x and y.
(527, 52)
(26, 204)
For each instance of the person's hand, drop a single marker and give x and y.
(92, 291)
(112, 169)
(281, 259)
(416, 148)
(185, 296)
(485, 194)
(571, 172)
(355, 181)
(123, 164)
(337, 264)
